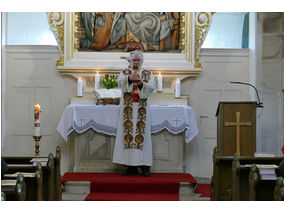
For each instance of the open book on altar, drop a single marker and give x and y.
(107, 96)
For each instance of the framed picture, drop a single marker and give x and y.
(93, 42)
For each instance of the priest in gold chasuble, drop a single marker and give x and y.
(133, 143)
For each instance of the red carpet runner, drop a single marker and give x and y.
(114, 187)
(203, 189)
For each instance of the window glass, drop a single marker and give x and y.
(29, 28)
(228, 30)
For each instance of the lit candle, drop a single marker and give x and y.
(97, 81)
(80, 87)
(36, 120)
(160, 83)
(177, 88)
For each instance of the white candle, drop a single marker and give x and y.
(36, 120)
(97, 81)
(160, 83)
(80, 87)
(177, 89)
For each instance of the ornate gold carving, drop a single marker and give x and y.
(69, 36)
(56, 23)
(189, 36)
(202, 24)
(60, 61)
(183, 24)
(78, 31)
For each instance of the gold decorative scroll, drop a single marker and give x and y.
(183, 25)
(202, 24)
(193, 28)
(56, 23)
(78, 31)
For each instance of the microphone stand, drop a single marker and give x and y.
(259, 104)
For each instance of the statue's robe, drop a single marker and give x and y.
(133, 143)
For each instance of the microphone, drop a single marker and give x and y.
(259, 104)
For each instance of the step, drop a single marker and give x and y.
(77, 187)
(82, 187)
(186, 188)
(193, 197)
(78, 190)
(73, 196)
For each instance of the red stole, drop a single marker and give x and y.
(135, 93)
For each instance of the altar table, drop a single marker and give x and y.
(90, 150)
(104, 119)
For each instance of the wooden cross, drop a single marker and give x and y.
(238, 124)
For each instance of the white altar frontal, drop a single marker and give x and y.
(91, 130)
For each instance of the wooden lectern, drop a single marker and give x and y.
(236, 128)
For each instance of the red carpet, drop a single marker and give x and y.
(203, 189)
(114, 187)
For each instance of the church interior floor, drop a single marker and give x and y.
(193, 197)
(78, 190)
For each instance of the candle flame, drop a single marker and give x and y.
(37, 108)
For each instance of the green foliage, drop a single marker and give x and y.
(110, 81)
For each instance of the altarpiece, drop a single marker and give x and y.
(97, 43)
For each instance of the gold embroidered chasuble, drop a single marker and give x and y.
(129, 97)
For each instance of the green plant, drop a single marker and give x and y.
(110, 81)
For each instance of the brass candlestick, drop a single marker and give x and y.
(37, 139)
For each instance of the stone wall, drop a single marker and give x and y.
(269, 74)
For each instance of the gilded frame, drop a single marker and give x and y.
(194, 27)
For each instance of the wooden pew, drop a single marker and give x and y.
(16, 165)
(230, 180)
(279, 189)
(221, 182)
(34, 183)
(48, 176)
(50, 190)
(240, 174)
(14, 189)
(57, 174)
(261, 189)
(51, 169)
(240, 180)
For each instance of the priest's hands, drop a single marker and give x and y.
(136, 78)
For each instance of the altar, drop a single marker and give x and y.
(90, 131)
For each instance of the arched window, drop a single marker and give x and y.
(28, 28)
(228, 30)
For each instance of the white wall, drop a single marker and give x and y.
(32, 77)
(220, 66)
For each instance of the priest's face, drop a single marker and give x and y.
(136, 61)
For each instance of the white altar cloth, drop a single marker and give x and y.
(104, 119)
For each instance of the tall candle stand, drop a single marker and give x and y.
(37, 139)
